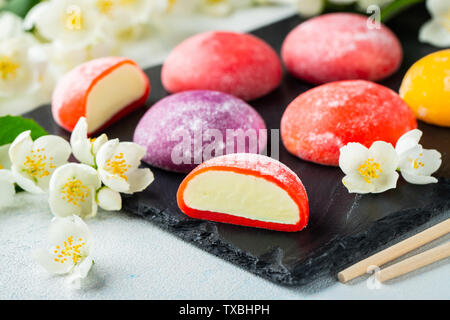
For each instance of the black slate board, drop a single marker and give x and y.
(343, 227)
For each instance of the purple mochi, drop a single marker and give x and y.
(175, 127)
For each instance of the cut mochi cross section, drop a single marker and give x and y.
(102, 90)
(245, 189)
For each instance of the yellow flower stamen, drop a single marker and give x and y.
(117, 166)
(370, 170)
(416, 163)
(8, 68)
(73, 19)
(37, 165)
(71, 250)
(105, 6)
(74, 192)
(1, 167)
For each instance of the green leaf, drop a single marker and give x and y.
(20, 7)
(11, 127)
(394, 8)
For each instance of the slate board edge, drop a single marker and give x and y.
(204, 235)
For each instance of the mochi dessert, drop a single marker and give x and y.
(321, 120)
(102, 90)
(340, 46)
(184, 129)
(245, 189)
(426, 88)
(235, 63)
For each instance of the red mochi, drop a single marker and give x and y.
(341, 46)
(320, 121)
(239, 64)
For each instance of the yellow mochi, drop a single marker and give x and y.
(426, 88)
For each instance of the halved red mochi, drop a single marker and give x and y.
(102, 90)
(245, 189)
(322, 120)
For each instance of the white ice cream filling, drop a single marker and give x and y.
(114, 92)
(240, 195)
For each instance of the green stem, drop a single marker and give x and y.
(396, 7)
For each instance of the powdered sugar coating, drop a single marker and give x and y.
(257, 163)
(341, 46)
(239, 64)
(196, 112)
(322, 120)
(254, 165)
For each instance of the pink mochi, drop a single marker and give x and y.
(239, 64)
(341, 46)
(192, 117)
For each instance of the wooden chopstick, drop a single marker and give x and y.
(413, 263)
(395, 251)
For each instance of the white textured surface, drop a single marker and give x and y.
(136, 260)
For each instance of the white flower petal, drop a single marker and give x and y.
(39, 10)
(355, 183)
(407, 141)
(60, 207)
(10, 25)
(106, 151)
(113, 181)
(5, 163)
(51, 151)
(55, 147)
(384, 154)
(438, 7)
(23, 80)
(46, 260)
(79, 272)
(7, 190)
(431, 160)
(139, 179)
(385, 182)
(7, 176)
(406, 161)
(86, 178)
(109, 199)
(417, 179)
(132, 152)
(118, 164)
(20, 148)
(25, 183)
(83, 268)
(53, 20)
(99, 141)
(435, 33)
(309, 8)
(81, 146)
(419, 165)
(89, 207)
(62, 228)
(351, 156)
(369, 170)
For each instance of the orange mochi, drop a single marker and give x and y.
(426, 88)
